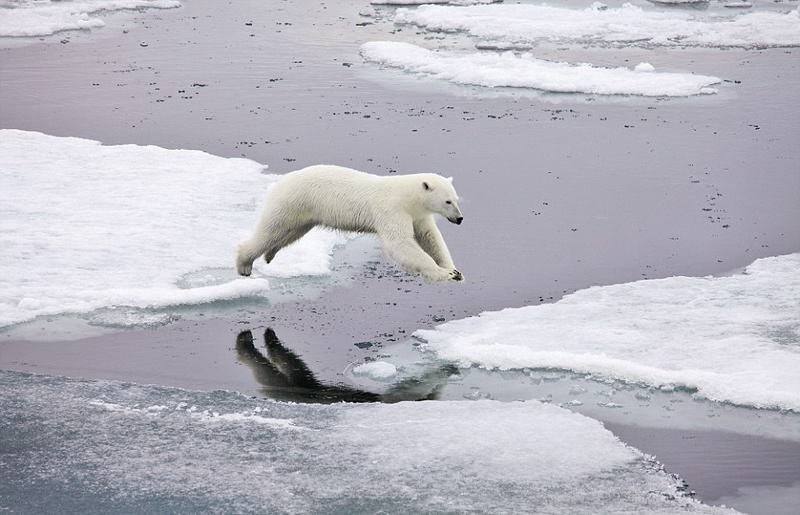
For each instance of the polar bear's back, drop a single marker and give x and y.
(329, 195)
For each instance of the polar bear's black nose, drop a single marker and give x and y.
(458, 220)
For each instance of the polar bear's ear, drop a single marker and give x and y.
(450, 179)
(426, 186)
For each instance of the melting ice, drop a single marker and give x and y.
(109, 447)
(44, 17)
(734, 338)
(84, 226)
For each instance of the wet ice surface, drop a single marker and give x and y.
(110, 447)
(597, 395)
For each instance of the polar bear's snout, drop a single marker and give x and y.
(455, 215)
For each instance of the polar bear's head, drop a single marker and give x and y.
(440, 197)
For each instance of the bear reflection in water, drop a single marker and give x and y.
(285, 376)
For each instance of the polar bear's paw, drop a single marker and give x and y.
(243, 267)
(443, 274)
(244, 270)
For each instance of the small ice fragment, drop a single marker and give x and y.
(644, 67)
(377, 370)
(577, 389)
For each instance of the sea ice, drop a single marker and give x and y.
(109, 447)
(514, 26)
(734, 338)
(510, 70)
(85, 226)
(44, 17)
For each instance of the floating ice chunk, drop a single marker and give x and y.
(733, 338)
(513, 26)
(85, 226)
(45, 17)
(509, 70)
(377, 370)
(644, 67)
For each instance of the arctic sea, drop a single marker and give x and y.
(629, 180)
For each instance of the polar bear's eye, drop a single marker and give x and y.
(447, 202)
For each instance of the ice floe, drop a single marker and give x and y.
(734, 338)
(85, 226)
(506, 69)
(525, 25)
(109, 447)
(45, 17)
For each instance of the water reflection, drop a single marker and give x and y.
(285, 376)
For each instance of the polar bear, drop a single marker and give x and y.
(398, 209)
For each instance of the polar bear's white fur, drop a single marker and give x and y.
(398, 209)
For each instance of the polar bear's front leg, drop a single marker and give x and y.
(406, 252)
(430, 239)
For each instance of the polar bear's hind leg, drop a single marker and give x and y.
(266, 239)
(289, 237)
